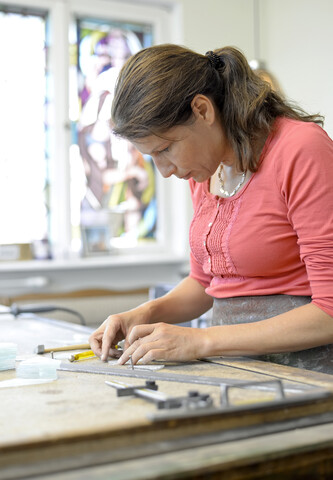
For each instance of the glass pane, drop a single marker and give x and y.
(23, 162)
(113, 199)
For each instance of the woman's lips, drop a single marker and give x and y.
(185, 177)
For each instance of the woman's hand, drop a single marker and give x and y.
(186, 301)
(161, 341)
(114, 329)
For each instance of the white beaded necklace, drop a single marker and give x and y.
(235, 190)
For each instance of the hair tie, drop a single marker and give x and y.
(215, 60)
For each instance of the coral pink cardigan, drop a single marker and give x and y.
(275, 236)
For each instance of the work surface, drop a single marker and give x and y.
(76, 427)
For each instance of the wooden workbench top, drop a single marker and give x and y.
(79, 420)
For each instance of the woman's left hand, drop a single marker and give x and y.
(161, 341)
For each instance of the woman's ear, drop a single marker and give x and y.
(203, 108)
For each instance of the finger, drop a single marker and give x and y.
(154, 354)
(95, 341)
(140, 331)
(127, 343)
(126, 354)
(114, 353)
(138, 350)
(109, 337)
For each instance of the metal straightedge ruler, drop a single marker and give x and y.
(165, 376)
(125, 371)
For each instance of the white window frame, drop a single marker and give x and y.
(174, 209)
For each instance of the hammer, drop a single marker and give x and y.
(40, 349)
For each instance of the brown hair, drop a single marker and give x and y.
(271, 79)
(155, 88)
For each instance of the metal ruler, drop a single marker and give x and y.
(164, 376)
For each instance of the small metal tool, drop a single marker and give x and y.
(124, 389)
(192, 400)
(131, 362)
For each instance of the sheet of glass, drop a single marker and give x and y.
(23, 157)
(113, 202)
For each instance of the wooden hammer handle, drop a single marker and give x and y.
(82, 346)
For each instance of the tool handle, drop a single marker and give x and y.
(82, 346)
(82, 356)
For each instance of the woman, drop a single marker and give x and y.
(260, 173)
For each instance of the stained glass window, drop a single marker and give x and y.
(113, 200)
(24, 184)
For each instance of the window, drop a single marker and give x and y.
(24, 182)
(113, 202)
(64, 177)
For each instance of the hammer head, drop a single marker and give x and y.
(40, 349)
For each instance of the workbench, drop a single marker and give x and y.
(76, 427)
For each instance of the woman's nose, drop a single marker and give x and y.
(165, 168)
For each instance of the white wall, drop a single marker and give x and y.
(210, 24)
(297, 43)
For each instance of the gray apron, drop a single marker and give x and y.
(231, 311)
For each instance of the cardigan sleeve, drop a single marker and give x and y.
(305, 179)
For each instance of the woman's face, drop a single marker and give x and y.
(190, 151)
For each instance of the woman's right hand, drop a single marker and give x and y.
(186, 301)
(114, 329)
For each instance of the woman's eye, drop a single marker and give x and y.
(165, 150)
